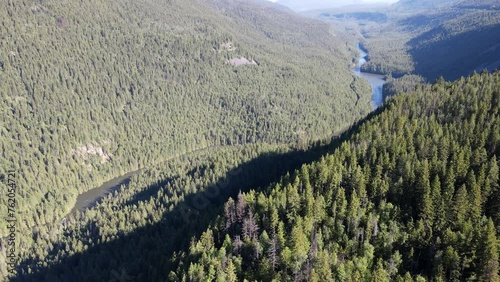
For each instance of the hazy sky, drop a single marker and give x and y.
(302, 5)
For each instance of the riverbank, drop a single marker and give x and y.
(376, 81)
(94, 196)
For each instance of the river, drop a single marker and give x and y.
(93, 196)
(376, 80)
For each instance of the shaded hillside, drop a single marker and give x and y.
(412, 6)
(458, 46)
(449, 39)
(136, 232)
(429, 38)
(412, 196)
(92, 89)
(406, 83)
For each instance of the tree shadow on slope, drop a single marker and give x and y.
(145, 254)
(149, 192)
(438, 53)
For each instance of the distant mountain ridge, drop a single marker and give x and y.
(449, 38)
(301, 6)
(420, 5)
(464, 39)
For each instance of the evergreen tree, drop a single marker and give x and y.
(489, 257)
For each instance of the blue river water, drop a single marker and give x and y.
(376, 80)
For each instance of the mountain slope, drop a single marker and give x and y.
(412, 6)
(429, 38)
(456, 40)
(410, 193)
(92, 90)
(412, 196)
(301, 6)
(460, 45)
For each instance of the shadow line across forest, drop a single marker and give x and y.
(144, 254)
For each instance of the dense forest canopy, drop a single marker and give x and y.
(259, 158)
(446, 38)
(422, 40)
(413, 195)
(91, 90)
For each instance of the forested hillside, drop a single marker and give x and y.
(466, 41)
(228, 107)
(136, 232)
(413, 195)
(442, 38)
(426, 38)
(91, 90)
(412, 6)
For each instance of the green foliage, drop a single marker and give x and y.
(406, 83)
(429, 39)
(416, 230)
(411, 195)
(93, 90)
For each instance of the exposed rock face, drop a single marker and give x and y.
(241, 61)
(92, 150)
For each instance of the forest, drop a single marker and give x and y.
(449, 39)
(258, 157)
(93, 90)
(423, 40)
(410, 193)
